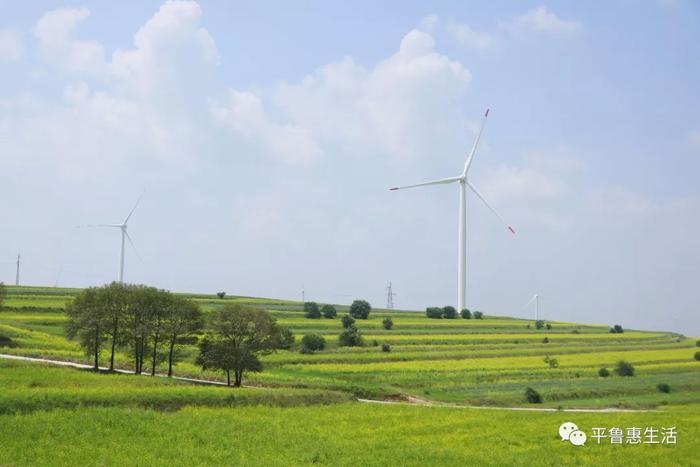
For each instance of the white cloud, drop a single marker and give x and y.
(55, 32)
(468, 37)
(428, 23)
(10, 44)
(541, 20)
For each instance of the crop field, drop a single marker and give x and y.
(449, 364)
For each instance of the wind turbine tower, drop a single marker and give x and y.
(464, 183)
(17, 273)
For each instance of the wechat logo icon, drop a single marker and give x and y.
(569, 432)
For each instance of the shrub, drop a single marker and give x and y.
(350, 337)
(386, 348)
(478, 315)
(310, 343)
(433, 312)
(466, 314)
(328, 311)
(360, 309)
(388, 323)
(618, 329)
(375, 342)
(347, 321)
(603, 372)
(575, 331)
(311, 310)
(552, 362)
(663, 387)
(697, 356)
(449, 312)
(545, 340)
(624, 368)
(532, 396)
(6, 341)
(221, 294)
(548, 326)
(697, 343)
(539, 324)
(286, 338)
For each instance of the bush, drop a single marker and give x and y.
(449, 312)
(478, 315)
(375, 342)
(386, 348)
(697, 356)
(328, 311)
(311, 310)
(310, 343)
(624, 368)
(545, 340)
(286, 338)
(388, 323)
(548, 326)
(552, 362)
(697, 343)
(575, 331)
(6, 341)
(350, 337)
(466, 314)
(539, 324)
(433, 312)
(360, 309)
(347, 321)
(603, 372)
(221, 294)
(663, 387)
(617, 329)
(532, 396)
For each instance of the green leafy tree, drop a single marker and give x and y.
(624, 368)
(533, 396)
(478, 315)
(328, 311)
(182, 323)
(388, 323)
(350, 337)
(360, 309)
(697, 356)
(347, 321)
(539, 324)
(311, 343)
(237, 337)
(603, 372)
(115, 300)
(466, 314)
(386, 348)
(449, 312)
(221, 295)
(434, 312)
(86, 323)
(3, 293)
(311, 310)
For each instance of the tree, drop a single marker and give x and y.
(181, 324)
(548, 326)
(386, 348)
(347, 321)
(449, 312)
(311, 310)
(137, 323)
(115, 299)
(478, 315)
(350, 337)
(86, 323)
(618, 329)
(434, 312)
(466, 314)
(287, 338)
(310, 343)
(221, 295)
(388, 323)
(533, 396)
(328, 311)
(603, 372)
(624, 368)
(237, 337)
(539, 324)
(360, 309)
(697, 356)
(3, 293)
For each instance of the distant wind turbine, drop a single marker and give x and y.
(463, 184)
(535, 298)
(125, 236)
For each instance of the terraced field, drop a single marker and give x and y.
(476, 362)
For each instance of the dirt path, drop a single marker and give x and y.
(411, 400)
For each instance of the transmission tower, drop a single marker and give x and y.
(17, 274)
(389, 297)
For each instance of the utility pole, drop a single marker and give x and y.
(389, 297)
(17, 274)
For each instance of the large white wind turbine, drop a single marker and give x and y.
(464, 182)
(125, 236)
(536, 299)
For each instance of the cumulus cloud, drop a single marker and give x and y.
(11, 47)
(468, 37)
(541, 20)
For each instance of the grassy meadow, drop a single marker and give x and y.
(303, 409)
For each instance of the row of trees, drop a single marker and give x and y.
(145, 322)
(360, 309)
(449, 312)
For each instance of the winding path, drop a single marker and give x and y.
(410, 401)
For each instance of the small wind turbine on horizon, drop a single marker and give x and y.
(536, 299)
(464, 182)
(125, 236)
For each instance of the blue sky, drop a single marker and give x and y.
(266, 134)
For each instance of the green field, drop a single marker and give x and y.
(306, 402)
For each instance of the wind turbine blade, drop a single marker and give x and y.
(481, 197)
(530, 301)
(135, 206)
(476, 143)
(131, 242)
(434, 182)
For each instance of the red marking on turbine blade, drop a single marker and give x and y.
(511, 229)
(393, 189)
(487, 113)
